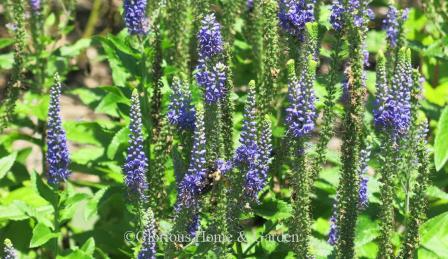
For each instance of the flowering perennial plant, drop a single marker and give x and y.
(183, 174)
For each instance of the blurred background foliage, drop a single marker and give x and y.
(86, 44)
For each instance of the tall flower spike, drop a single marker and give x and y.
(210, 38)
(336, 16)
(257, 174)
(179, 29)
(212, 80)
(269, 65)
(294, 14)
(180, 110)
(9, 251)
(392, 25)
(247, 151)
(35, 5)
(194, 181)
(301, 113)
(135, 17)
(360, 12)
(7, 105)
(148, 249)
(418, 202)
(211, 74)
(57, 151)
(393, 114)
(136, 163)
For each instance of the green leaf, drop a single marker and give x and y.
(51, 19)
(11, 212)
(92, 205)
(87, 154)
(273, 209)
(77, 254)
(43, 189)
(119, 138)
(89, 246)
(5, 42)
(435, 192)
(366, 231)
(441, 141)
(6, 163)
(6, 61)
(75, 49)
(434, 235)
(41, 235)
(71, 204)
(437, 95)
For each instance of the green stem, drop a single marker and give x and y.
(56, 221)
(93, 19)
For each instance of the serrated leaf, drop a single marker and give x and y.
(92, 205)
(273, 209)
(441, 141)
(41, 235)
(70, 206)
(6, 163)
(434, 234)
(119, 138)
(43, 189)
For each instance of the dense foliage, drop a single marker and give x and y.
(223, 129)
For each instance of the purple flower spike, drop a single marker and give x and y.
(135, 17)
(194, 181)
(148, 250)
(212, 81)
(57, 151)
(393, 113)
(181, 112)
(136, 164)
(210, 73)
(209, 37)
(294, 14)
(301, 113)
(336, 19)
